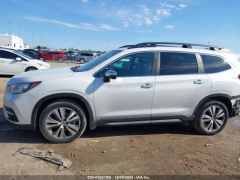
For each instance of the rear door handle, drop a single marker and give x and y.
(146, 86)
(199, 81)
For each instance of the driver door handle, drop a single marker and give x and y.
(146, 86)
(199, 81)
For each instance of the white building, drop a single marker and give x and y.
(12, 41)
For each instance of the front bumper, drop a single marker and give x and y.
(17, 109)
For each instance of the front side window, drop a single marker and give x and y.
(7, 55)
(214, 64)
(140, 64)
(178, 63)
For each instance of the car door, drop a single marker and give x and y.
(180, 85)
(9, 64)
(129, 96)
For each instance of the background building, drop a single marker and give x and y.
(12, 41)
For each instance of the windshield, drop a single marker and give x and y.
(96, 61)
(23, 55)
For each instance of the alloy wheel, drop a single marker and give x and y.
(63, 123)
(213, 118)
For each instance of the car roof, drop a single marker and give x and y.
(178, 47)
(7, 49)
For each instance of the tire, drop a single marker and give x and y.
(211, 118)
(60, 60)
(58, 129)
(82, 61)
(31, 69)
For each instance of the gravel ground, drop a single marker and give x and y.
(137, 150)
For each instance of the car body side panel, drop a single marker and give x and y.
(123, 97)
(11, 66)
(178, 95)
(69, 85)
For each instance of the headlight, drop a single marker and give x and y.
(43, 65)
(40, 64)
(21, 87)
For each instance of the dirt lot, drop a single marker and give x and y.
(136, 150)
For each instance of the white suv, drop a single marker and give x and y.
(144, 83)
(13, 62)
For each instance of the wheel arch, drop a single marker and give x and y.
(224, 98)
(38, 108)
(29, 67)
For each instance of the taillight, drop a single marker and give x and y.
(239, 76)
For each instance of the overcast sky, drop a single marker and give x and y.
(107, 24)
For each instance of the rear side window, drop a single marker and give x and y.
(214, 64)
(85, 54)
(178, 63)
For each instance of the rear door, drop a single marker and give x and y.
(180, 85)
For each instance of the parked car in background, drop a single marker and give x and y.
(72, 55)
(32, 53)
(85, 57)
(52, 56)
(13, 62)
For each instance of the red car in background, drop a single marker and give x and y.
(52, 56)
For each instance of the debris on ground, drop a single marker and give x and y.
(238, 159)
(47, 156)
(208, 145)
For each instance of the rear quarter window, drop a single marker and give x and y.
(214, 64)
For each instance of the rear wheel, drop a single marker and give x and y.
(62, 121)
(82, 61)
(211, 118)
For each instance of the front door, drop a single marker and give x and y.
(9, 64)
(129, 97)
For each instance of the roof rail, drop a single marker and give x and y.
(127, 46)
(172, 44)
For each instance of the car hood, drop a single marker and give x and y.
(40, 63)
(42, 75)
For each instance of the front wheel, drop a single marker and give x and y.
(211, 118)
(62, 121)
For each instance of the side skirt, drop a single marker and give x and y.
(144, 120)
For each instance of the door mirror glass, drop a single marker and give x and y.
(18, 59)
(110, 74)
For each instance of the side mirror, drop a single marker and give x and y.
(110, 74)
(18, 59)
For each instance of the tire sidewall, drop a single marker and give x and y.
(55, 105)
(82, 61)
(198, 124)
